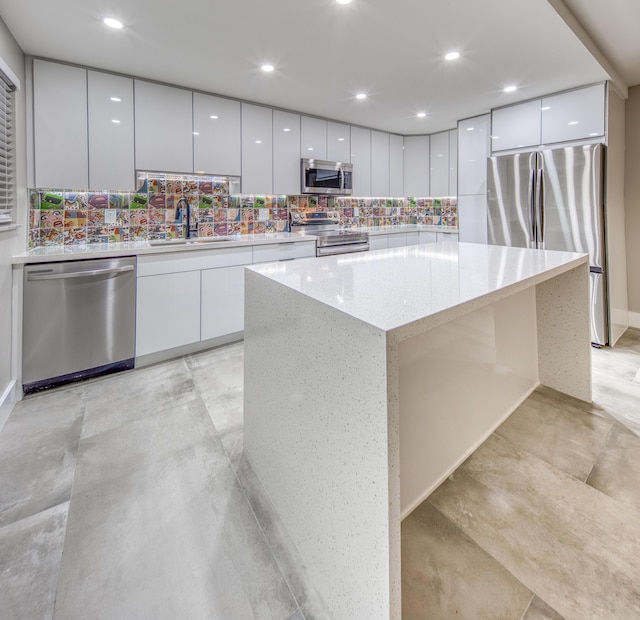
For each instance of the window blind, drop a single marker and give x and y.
(7, 156)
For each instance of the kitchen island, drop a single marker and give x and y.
(370, 377)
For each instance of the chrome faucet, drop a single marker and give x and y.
(183, 212)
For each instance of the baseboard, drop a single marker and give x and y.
(634, 319)
(7, 402)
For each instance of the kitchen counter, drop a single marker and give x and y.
(82, 252)
(398, 363)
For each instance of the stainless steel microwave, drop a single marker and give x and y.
(326, 177)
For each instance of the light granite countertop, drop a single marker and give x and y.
(81, 252)
(392, 288)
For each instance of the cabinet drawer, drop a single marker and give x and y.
(283, 251)
(378, 242)
(442, 236)
(398, 240)
(413, 238)
(174, 262)
(428, 236)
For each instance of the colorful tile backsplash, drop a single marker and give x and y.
(159, 207)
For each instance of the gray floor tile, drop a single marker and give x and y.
(233, 444)
(38, 448)
(219, 378)
(296, 616)
(621, 362)
(132, 395)
(158, 503)
(619, 398)
(559, 433)
(574, 546)
(30, 554)
(446, 575)
(539, 610)
(617, 471)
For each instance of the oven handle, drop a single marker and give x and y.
(78, 274)
(341, 179)
(330, 250)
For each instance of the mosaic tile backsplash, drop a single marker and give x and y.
(158, 210)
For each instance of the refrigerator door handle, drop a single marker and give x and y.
(540, 207)
(532, 207)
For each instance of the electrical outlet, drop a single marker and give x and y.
(110, 216)
(263, 215)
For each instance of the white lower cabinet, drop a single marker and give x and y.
(397, 240)
(222, 301)
(413, 238)
(428, 236)
(446, 236)
(283, 251)
(378, 242)
(167, 311)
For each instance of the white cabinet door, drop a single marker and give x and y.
(378, 242)
(439, 164)
(222, 302)
(397, 240)
(428, 237)
(396, 166)
(286, 153)
(413, 238)
(60, 126)
(472, 217)
(283, 251)
(216, 135)
(167, 311)
(361, 160)
(164, 128)
(257, 149)
(516, 126)
(416, 165)
(574, 115)
(442, 236)
(111, 139)
(453, 162)
(380, 163)
(313, 138)
(338, 142)
(473, 151)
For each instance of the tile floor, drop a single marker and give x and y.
(125, 497)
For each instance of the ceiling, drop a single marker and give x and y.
(324, 53)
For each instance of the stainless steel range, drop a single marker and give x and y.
(331, 240)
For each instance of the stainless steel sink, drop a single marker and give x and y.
(197, 241)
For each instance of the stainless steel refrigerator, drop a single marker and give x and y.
(554, 200)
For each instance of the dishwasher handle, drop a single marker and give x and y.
(78, 274)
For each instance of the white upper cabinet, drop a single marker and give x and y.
(164, 128)
(473, 151)
(286, 153)
(396, 166)
(338, 142)
(439, 160)
(453, 162)
(416, 165)
(313, 138)
(516, 126)
(574, 115)
(216, 135)
(379, 163)
(111, 146)
(361, 160)
(60, 126)
(257, 149)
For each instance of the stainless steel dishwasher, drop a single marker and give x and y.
(78, 320)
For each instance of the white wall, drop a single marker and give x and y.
(12, 242)
(632, 203)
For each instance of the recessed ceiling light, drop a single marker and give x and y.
(258, 141)
(196, 133)
(594, 133)
(112, 22)
(267, 68)
(470, 128)
(115, 120)
(115, 99)
(361, 96)
(452, 56)
(546, 107)
(340, 139)
(495, 137)
(573, 122)
(343, 1)
(310, 148)
(421, 114)
(510, 89)
(213, 116)
(287, 129)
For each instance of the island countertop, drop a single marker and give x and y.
(394, 288)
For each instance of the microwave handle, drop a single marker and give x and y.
(341, 179)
